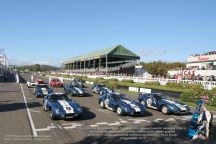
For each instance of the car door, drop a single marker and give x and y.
(106, 101)
(112, 102)
(151, 101)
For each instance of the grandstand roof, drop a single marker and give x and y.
(118, 50)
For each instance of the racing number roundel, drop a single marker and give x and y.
(149, 102)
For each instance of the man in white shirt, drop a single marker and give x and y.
(204, 121)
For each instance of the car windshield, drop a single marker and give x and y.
(163, 96)
(56, 97)
(75, 85)
(119, 96)
(100, 85)
(56, 80)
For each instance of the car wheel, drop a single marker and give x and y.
(44, 108)
(52, 115)
(102, 105)
(119, 111)
(71, 94)
(164, 110)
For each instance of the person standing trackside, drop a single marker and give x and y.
(5, 76)
(32, 78)
(204, 121)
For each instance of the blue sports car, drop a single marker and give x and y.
(74, 90)
(164, 104)
(96, 88)
(61, 107)
(121, 104)
(41, 90)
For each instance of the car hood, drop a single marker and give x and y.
(79, 90)
(174, 103)
(65, 103)
(128, 102)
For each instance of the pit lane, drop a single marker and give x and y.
(100, 125)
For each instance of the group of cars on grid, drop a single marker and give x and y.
(63, 107)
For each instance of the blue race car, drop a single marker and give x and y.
(104, 90)
(96, 88)
(121, 104)
(74, 90)
(41, 90)
(164, 104)
(61, 107)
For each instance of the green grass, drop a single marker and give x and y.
(159, 87)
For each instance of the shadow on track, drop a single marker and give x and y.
(16, 106)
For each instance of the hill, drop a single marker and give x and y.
(36, 67)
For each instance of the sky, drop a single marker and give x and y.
(51, 31)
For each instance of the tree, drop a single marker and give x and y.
(161, 68)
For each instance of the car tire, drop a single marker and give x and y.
(44, 108)
(119, 111)
(102, 105)
(164, 110)
(52, 115)
(71, 94)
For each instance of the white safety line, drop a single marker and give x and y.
(102, 123)
(29, 114)
(73, 126)
(93, 125)
(59, 126)
(47, 129)
(158, 120)
(35, 111)
(113, 124)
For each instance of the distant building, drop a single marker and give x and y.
(202, 61)
(198, 67)
(117, 59)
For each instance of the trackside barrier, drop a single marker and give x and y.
(135, 89)
(145, 90)
(87, 82)
(206, 84)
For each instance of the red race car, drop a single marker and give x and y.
(39, 81)
(55, 82)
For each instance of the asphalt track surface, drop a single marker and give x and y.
(23, 121)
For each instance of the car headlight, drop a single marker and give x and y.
(57, 110)
(173, 108)
(79, 109)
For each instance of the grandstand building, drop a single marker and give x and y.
(117, 59)
(202, 61)
(198, 66)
